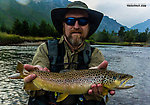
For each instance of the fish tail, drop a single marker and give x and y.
(15, 76)
(19, 70)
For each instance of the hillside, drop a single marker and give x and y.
(33, 12)
(37, 10)
(142, 26)
(110, 25)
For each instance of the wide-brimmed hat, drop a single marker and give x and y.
(58, 15)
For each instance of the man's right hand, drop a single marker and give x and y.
(31, 77)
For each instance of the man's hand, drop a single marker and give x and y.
(97, 89)
(31, 77)
(103, 65)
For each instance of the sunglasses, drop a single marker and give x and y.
(82, 21)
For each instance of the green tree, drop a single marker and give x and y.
(105, 36)
(34, 30)
(130, 36)
(102, 36)
(121, 33)
(147, 34)
(147, 31)
(25, 28)
(3, 28)
(43, 29)
(113, 37)
(148, 37)
(50, 30)
(142, 37)
(16, 28)
(53, 32)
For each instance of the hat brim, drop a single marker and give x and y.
(58, 15)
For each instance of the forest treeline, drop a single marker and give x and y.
(122, 36)
(23, 28)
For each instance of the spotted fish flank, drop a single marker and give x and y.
(75, 81)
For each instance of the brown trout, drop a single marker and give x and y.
(74, 81)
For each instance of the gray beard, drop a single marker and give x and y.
(75, 42)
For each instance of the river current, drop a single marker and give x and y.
(123, 59)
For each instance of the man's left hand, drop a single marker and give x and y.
(97, 89)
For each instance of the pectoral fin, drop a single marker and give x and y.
(61, 97)
(107, 98)
(30, 86)
(105, 91)
(105, 94)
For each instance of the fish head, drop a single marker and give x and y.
(121, 80)
(115, 80)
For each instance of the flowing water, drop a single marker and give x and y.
(11, 91)
(123, 59)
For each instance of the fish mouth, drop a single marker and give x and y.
(124, 85)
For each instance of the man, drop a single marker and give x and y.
(76, 23)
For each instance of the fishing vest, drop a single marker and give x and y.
(56, 53)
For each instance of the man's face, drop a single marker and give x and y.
(76, 33)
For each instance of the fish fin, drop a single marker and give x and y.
(105, 91)
(30, 86)
(107, 98)
(19, 68)
(61, 97)
(15, 76)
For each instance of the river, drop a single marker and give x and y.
(123, 59)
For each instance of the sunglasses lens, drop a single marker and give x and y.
(81, 21)
(70, 21)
